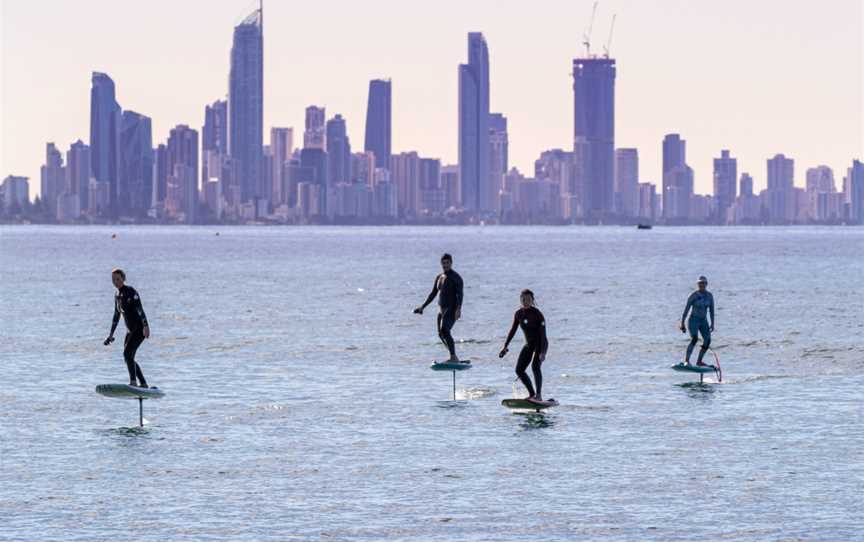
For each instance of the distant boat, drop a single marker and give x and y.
(643, 226)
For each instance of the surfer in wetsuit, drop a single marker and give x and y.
(448, 287)
(128, 303)
(700, 304)
(533, 324)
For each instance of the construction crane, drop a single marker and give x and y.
(609, 41)
(586, 38)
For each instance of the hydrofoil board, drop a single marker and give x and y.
(681, 367)
(460, 365)
(125, 391)
(526, 404)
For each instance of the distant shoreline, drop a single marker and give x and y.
(422, 224)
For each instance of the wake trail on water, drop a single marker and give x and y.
(477, 392)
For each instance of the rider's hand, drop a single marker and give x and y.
(418, 310)
(503, 352)
(146, 332)
(682, 328)
(712, 328)
(109, 340)
(542, 357)
(458, 313)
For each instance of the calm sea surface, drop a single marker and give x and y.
(300, 405)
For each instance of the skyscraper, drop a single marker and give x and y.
(338, 152)
(52, 179)
(313, 170)
(78, 173)
(104, 138)
(136, 165)
(748, 207)
(594, 131)
(820, 179)
(498, 155)
(679, 180)
(16, 193)
(474, 126)
(781, 194)
(182, 167)
(647, 202)
(281, 147)
(855, 185)
(746, 185)
(450, 186)
(405, 173)
(214, 133)
(314, 135)
(378, 121)
(627, 181)
(214, 141)
(781, 172)
(430, 196)
(558, 166)
(246, 105)
(674, 155)
(725, 176)
(363, 167)
(160, 174)
(823, 201)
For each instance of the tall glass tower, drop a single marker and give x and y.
(725, 176)
(378, 121)
(594, 131)
(474, 126)
(246, 105)
(136, 164)
(338, 152)
(105, 137)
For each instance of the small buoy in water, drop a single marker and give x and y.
(217, 234)
(113, 236)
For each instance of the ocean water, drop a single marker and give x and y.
(300, 405)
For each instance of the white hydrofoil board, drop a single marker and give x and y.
(125, 391)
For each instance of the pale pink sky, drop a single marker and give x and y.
(757, 77)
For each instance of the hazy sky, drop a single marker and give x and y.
(757, 77)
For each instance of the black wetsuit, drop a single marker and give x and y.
(127, 303)
(533, 324)
(448, 287)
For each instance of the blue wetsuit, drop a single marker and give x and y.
(699, 305)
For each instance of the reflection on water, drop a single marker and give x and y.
(535, 420)
(478, 392)
(125, 432)
(452, 404)
(698, 390)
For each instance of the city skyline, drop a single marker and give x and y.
(806, 140)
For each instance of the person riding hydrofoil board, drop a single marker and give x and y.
(448, 287)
